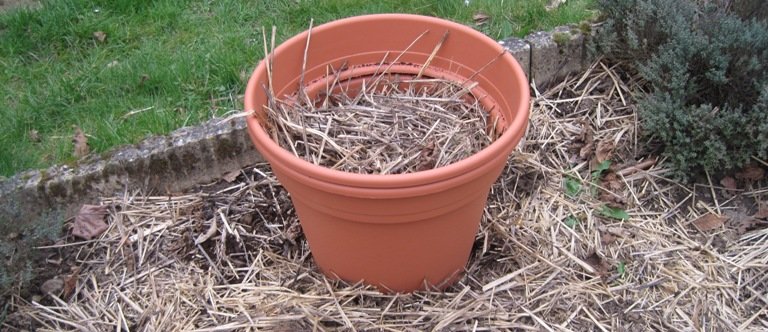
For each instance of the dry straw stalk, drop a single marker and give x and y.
(529, 270)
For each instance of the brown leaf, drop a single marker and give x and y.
(553, 4)
(129, 257)
(611, 181)
(89, 222)
(246, 219)
(612, 200)
(607, 238)
(588, 139)
(427, 157)
(604, 151)
(709, 222)
(231, 176)
(762, 212)
(293, 232)
(81, 143)
(616, 231)
(599, 264)
(729, 183)
(100, 36)
(748, 224)
(751, 173)
(744, 223)
(52, 286)
(641, 166)
(480, 18)
(612, 185)
(70, 283)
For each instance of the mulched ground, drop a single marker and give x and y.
(583, 231)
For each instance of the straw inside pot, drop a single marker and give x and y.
(387, 123)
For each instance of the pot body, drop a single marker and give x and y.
(399, 232)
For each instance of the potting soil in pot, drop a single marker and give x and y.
(397, 124)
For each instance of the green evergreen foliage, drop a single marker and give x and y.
(708, 73)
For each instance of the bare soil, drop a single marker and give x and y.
(10, 4)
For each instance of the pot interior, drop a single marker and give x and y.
(372, 78)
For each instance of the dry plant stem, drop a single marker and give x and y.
(302, 91)
(432, 55)
(396, 60)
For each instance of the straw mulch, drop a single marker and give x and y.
(390, 124)
(397, 125)
(232, 257)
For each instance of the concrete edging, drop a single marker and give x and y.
(164, 164)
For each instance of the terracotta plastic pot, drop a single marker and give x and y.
(399, 232)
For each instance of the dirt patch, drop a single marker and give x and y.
(6, 5)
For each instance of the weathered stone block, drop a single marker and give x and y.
(555, 54)
(521, 50)
(186, 157)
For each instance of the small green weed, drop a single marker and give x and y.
(621, 268)
(613, 212)
(571, 221)
(572, 186)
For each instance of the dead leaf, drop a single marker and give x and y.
(588, 139)
(89, 222)
(480, 18)
(208, 234)
(100, 36)
(52, 286)
(617, 231)
(745, 224)
(144, 78)
(612, 200)
(599, 264)
(611, 181)
(641, 166)
(709, 222)
(750, 224)
(231, 176)
(292, 233)
(70, 283)
(246, 219)
(751, 173)
(604, 151)
(762, 212)
(612, 185)
(553, 4)
(427, 157)
(729, 183)
(81, 143)
(607, 238)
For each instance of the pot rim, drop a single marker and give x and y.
(502, 146)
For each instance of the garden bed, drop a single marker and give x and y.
(582, 231)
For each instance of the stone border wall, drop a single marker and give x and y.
(201, 154)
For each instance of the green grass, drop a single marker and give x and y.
(182, 62)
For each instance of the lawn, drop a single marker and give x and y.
(123, 70)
